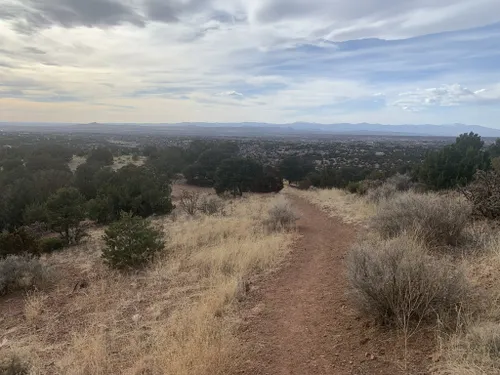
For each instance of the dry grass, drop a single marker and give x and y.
(118, 162)
(351, 208)
(124, 160)
(475, 349)
(175, 318)
(436, 219)
(34, 304)
(75, 162)
(281, 216)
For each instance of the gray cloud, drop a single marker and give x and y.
(30, 15)
(172, 10)
(34, 50)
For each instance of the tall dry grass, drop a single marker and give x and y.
(174, 318)
(351, 208)
(474, 349)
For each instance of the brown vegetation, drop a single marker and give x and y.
(173, 318)
(436, 219)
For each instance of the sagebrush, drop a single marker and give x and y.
(12, 364)
(437, 219)
(23, 273)
(281, 216)
(397, 283)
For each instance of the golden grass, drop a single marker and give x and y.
(123, 160)
(175, 318)
(33, 306)
(475, 348)
(351, 208)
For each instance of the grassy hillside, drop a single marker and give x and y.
(174, 318)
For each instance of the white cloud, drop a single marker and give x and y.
(196, 57)
(230, 93)
(446, 96)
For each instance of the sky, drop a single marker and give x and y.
(282, 61)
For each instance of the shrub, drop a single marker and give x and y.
(281, 216)
(455, 164)
(304, 185)
(66, 211)
(51, 244)
(353, 187)
(366, 185)
(381, 193)
(21, 241)
(402, 182)
(131, 242)
(438, 220)
(210, 205)
(22, 273)
(484, 194)
(189, 202)
(397, 283)
(13, 365)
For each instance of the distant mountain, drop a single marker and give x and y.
(255, 129)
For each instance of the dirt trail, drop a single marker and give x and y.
(299, 320)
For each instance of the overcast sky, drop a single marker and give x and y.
(386, 61)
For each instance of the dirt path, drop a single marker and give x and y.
(299, 320)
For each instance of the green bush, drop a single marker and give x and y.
(131, 242)
(437, 219)
(398, 284)
(353, 187)
(51, 244)
(22, 273)
(21, 241)
(455, 164)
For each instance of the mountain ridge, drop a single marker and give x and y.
(261, 128)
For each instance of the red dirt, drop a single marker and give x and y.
(299, 320)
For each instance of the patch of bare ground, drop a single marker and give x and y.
(300, 321)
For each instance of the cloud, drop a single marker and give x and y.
(446, 96)
(31, 15)
(235, 94)
(261, 60)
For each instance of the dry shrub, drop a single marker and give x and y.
(211, 205)
(397, 283)
(22, 273)
(12, 364)
(381, 193)
(189, 202)
(33, 306)
(476, 352)
(402, 182)
(387, 190)
(281, 216)
(484, 194)
(437, 219)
